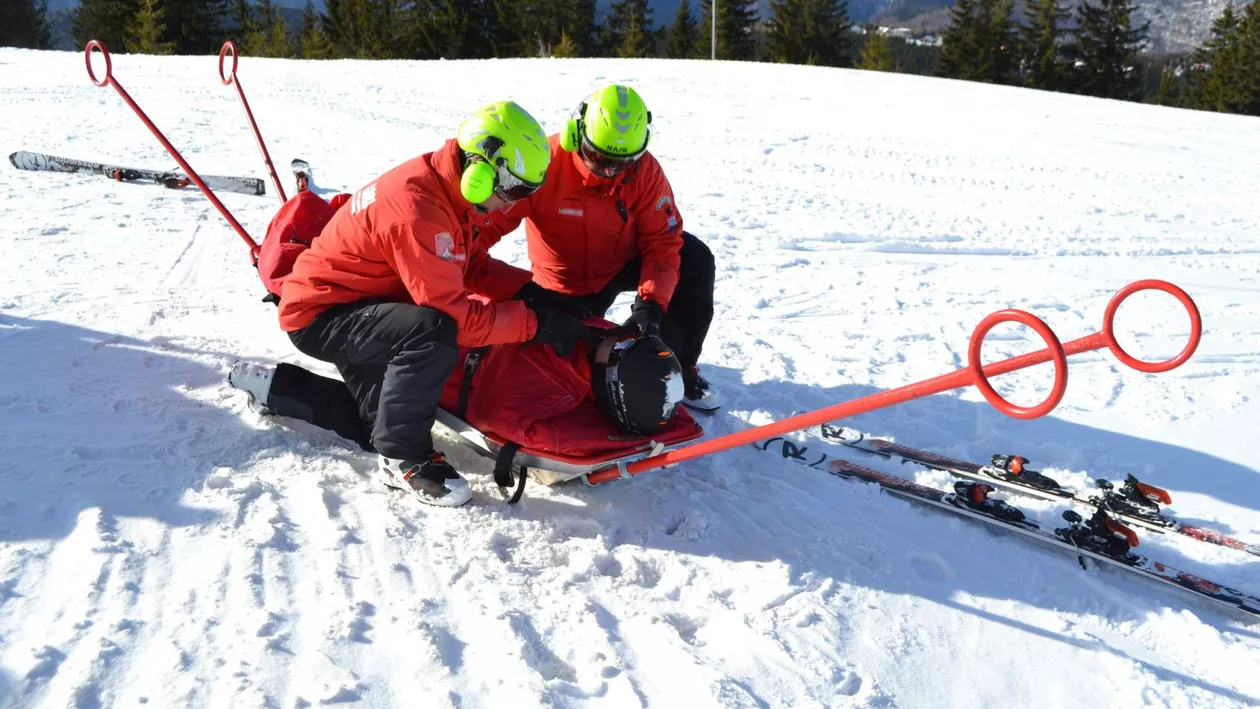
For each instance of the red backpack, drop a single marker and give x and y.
(292, 231)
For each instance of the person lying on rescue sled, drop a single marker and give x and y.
(609, 398)
(604, 222)
(383, 292)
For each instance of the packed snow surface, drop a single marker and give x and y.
(161, 544)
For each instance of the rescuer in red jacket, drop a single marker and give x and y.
(383, 292)
(605, 222)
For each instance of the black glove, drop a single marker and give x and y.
(560, 330)
(539, 299)
(646, 315)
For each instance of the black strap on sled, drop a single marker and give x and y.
(511, 486)
(512, 489)
(471, 362)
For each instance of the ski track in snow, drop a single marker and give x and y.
(160, 544)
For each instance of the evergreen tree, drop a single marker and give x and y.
(536, 26)
(1106, 49)
(785, 32)
(1220, 58)
(25, 23)
(681, 42)
(262, 18)
(439, 29)
(809, 32)
(378, 29)
(735, 22)
(279, 43)
(1249, 74)
(1000, 42)
(1228, 64)
(981, 43)
(241, 19)
(195, 26)
(488, 36)
(106, 20)
(958, 42)
(268, 35)
(1170, 88)
(312, 41)
(877, 52)
(336, 26)
(367, 29)
(1044, 66)
(144, 34)
(453, 29)
(627, 30)
(565, 49)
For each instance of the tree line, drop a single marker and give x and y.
(1099, 54)
(1095, 50)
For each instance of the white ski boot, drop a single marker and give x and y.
(255, 381)
(433, 480)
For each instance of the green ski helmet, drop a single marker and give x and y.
(612, 123)
(514, 148)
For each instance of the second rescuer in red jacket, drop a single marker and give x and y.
(383, 293)
(605, 223)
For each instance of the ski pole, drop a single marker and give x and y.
(973, 375)
(192, 174)
(230, 80)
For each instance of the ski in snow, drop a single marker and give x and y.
(1100, 537)
(39, 162)
(1135, 502)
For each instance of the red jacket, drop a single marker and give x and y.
(411, 237)
(581, 229)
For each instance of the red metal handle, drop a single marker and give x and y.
(183, 164)
(981, 380)
(1109, 319)
(230, 80)
(228, 47)
(973, 374)
(109, 65)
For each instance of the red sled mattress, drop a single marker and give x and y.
(542, 403)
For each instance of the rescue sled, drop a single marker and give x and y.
(513, 463)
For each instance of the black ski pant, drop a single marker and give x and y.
(322, 401)
(686, 324)
(394, 358)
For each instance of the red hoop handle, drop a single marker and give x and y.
(1057, 355)
(1109, 320)
(109, 65)
(228, 47)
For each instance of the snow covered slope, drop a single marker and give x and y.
(161, 544)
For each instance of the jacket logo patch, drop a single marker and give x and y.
(444, 247)
(572, 212)
(363, 199)
(664, 200)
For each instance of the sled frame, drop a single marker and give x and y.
(550, 468)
